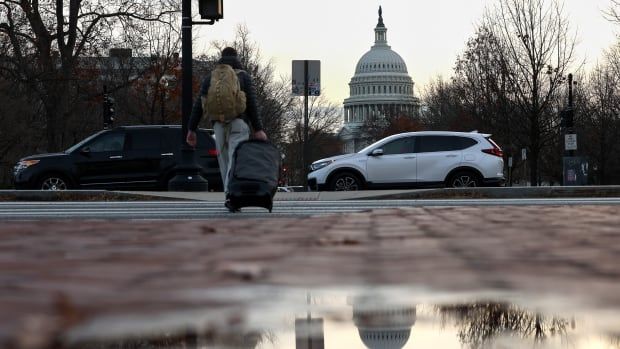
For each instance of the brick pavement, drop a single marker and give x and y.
(55, 275)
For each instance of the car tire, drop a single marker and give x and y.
(53, 182)
(463, 179)
(346, 181)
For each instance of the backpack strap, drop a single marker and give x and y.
(239, 77)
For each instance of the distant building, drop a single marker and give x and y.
(381, 86)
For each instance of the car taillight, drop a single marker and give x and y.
(213, 152)
(496, 150)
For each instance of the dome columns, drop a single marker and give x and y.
(361, 112)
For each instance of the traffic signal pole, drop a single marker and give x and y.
(188, 172)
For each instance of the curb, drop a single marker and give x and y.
(75, 195)
(412, 194)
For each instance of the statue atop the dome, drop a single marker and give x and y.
(380, 24)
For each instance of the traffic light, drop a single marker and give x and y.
(108, 111)
(211, 9)
(566, 117)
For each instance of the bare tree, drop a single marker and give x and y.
(600, 121)
(479, 324)
(324, 119)
(155, 98)
(537, 48)
(17, 118)
(45, 40)
(613, 13)
(481, 95)
(442, 109)
(391, 122)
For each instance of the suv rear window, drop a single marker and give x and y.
(429, 144)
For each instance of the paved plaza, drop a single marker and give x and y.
(58, 275)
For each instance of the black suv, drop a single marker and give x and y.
(127, 157)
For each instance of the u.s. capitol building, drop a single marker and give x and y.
(380, 87)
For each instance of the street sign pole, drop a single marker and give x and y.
(570, 162)
(306, 82)
(524, 158)
(306, 121)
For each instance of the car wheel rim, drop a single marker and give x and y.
(346, 184)
(464, 181)
(54, 184)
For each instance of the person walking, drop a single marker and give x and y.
(229, 132)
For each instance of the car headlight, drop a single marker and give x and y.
(319, 165)
(24, 164)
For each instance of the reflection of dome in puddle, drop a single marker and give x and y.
(382, 325)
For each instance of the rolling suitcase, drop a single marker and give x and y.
(254, 174)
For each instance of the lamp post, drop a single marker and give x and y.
(187, 177)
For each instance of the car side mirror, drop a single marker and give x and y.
(377, 152)
(85, 151)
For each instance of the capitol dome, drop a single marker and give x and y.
(383, 60)
(382, 324)
(381, 87)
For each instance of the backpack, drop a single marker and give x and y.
(224, 101)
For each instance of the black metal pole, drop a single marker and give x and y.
(306, 121)
(187, 176)
(570, 107)
(186, 64)
(105, 108)
(570, 90)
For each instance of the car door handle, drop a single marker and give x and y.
(409, 157)
(116, 157)
(451, 156)
(167, 154)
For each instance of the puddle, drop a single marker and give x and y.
(393, 318)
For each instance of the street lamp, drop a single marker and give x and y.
(187, 173)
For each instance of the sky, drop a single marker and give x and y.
(428, 35)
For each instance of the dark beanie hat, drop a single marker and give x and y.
(229, 51)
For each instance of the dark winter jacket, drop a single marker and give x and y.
(251, 114)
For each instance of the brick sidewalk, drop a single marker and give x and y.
(58, 274)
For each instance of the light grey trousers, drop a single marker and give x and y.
(227, 137)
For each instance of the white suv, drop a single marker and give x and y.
(414, 159)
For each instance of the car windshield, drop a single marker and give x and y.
(82, 142)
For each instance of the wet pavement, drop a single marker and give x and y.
(470, 275)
